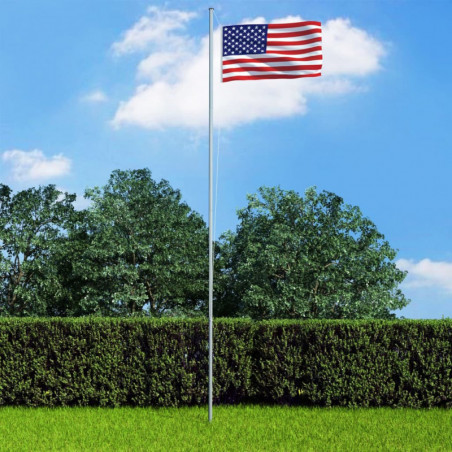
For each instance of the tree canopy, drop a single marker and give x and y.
(311, 257)
(32, 227)
(138, 249)
(141, 249)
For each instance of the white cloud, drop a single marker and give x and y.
(157, 27)
(157, 65)
(95, 97)
(34, 165)
(175, 88)
(349, 50)
(427, 273)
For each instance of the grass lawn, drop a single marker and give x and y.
(236, 428)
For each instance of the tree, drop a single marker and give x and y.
(311, 257)
(139, 249)
(32, 227)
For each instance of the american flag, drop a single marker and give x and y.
(268, 51)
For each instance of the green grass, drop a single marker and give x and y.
(234, 428)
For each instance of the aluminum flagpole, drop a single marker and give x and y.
(210, 208)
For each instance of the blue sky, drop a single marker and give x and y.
(90, 86)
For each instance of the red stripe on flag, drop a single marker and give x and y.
(295, 24)
(310, 67)
(270, 60)
(267, 76)
(293, 34)
(294, 52)
(293, 43)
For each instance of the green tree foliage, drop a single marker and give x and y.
(32, 227)
(138, 249)
(311, 257)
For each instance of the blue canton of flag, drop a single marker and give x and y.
(244, 39)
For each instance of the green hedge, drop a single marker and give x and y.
(113, 362)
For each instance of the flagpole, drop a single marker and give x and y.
(210, 208)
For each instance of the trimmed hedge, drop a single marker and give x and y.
(141, 362)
